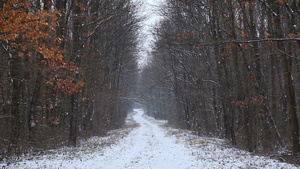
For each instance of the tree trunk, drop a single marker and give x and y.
(34, 102)
(73, 120)
(76, 58)
(16, 98)
(288, 83)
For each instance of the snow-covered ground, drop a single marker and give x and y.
(149, 146)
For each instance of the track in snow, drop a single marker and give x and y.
(147, 147)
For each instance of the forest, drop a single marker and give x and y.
(229, 69)
(64, 68)
(225, 69)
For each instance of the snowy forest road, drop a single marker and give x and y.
(150, 146)
(147, 147)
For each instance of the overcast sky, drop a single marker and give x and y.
(149, 10)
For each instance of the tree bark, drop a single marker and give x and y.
(16, 125)
(288, 83)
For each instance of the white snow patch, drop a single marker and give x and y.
(150, 146)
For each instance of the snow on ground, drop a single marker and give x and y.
(149, 146)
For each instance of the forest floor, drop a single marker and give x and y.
(146, 143)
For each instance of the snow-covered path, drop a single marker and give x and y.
(147, 147)
(150, 146)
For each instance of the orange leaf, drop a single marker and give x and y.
(282, 2)
(81, 83)
(14, 45)
(50, 3)
(43, 62)
(24, 48)
(245, 45)
(79, 5)
(84, 99)
(228, 47)
(244, 35)
(20, 54)
(185, 34)
(271, 43)
(85, 35)
(251, 4)
(291, 35)
(267, 35)
(179, 39)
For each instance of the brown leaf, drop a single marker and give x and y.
(20, 54)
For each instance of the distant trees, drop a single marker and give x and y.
(229, 69)
(63, 66)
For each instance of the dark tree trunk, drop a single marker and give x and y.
(16, 125)
(33, 104)
(288, 83)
